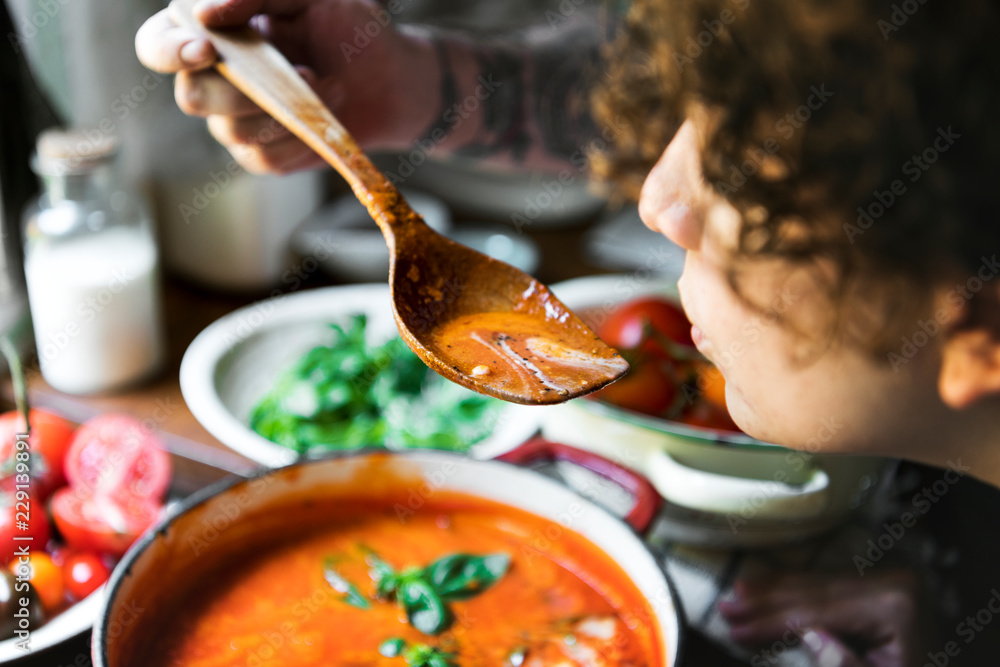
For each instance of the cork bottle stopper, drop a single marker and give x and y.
(62, 151)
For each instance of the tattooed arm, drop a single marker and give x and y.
(521, 100)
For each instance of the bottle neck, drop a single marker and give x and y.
(92, 185)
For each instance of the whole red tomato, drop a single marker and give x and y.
(114, 453)
(13, 525)
(644, 320)
(102, 523)
(48, 443)
(646, 388)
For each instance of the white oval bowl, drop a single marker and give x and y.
(230, 365)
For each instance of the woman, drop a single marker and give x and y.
(828, 167)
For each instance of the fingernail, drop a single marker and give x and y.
(728, 607)
(813, 640)
(195, 52)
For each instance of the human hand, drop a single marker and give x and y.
(843, 621)
(357, 78)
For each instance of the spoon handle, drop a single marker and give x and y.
(264, 75)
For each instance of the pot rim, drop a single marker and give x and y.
(203, 495)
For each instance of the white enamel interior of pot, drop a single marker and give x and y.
(226, 524)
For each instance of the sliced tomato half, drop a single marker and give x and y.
(115, 453)
(101, 522)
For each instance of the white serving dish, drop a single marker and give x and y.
(232, 363)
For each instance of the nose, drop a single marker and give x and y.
(671, 200)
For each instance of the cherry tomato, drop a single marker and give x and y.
(49, 441)
(103, 523)
(13, 525)
(646, 388)
(628, 327)
(83, 573)
(711, 384)
(112, 453)
(44, 576)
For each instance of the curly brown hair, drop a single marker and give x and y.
(861, 132)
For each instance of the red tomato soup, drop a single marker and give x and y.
(560, 600)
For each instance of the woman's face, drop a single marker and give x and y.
(789, 388)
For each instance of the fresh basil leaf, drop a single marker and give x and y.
(390, 648)
(423, 606)
(438, 660)
(422, 655)
(386, 587)
(379, 568)
(349, 592)
(351, 394)
(387, 580)
(461, 576)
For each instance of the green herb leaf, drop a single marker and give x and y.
(424, 592)
(461, 576)
(390, 648)
(349, 592)
(385, 577)
(424, 608)
(438, 660)
(351, 394)
(422, 655)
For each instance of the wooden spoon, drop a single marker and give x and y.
(475, 320)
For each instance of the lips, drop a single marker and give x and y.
(701, 341)
(697, 336)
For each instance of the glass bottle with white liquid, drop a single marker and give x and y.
(92, 269)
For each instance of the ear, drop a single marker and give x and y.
(970, 368)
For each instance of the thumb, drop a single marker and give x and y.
(828, 651)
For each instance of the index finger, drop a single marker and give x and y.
(163, 46)
(227, 13)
